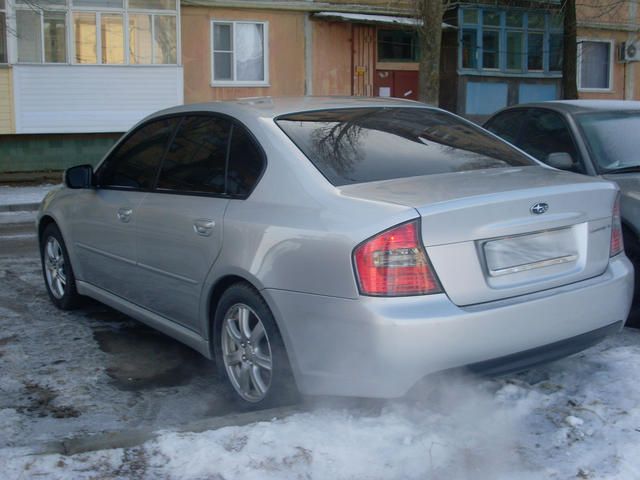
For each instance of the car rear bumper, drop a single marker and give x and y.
(517, 362)
(381, 347)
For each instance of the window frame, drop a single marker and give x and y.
(611, 44)
(265, 43)
(503, 30)
(5, 30)
(69, 9)
(415, 46)
(235, 123)
(40, 13)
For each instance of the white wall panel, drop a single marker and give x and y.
(87, 98)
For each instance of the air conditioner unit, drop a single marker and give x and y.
(629, 52)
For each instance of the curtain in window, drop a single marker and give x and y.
(594, 65)
(249, 52)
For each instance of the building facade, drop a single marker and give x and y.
(501, 54)
(608, 63)
(75, 74)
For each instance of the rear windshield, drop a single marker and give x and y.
(369, 144)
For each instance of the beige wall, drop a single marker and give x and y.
(286, 53)
(332, 58)
(7, 121)
(621, 72)
(616, 22)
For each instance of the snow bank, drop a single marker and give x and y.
(577, 418)
(23, 195)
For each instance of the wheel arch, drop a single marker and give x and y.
(215, 293)
(43, 223)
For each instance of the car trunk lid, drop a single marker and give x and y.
(498, 233)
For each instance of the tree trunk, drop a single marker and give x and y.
(430, 34)
(569, 51)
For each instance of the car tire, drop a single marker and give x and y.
(56, 269)
(632, 250)
(249, 350)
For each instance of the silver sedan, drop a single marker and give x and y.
(339, 246)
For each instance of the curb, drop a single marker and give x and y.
(20, 207)
(133, 438)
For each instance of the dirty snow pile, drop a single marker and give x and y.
(576, 418)
(23, 195)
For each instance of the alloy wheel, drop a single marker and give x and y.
(246, 353)
(55, 267)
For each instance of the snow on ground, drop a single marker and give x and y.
(23, 195)
(64, 374)
(576, 418)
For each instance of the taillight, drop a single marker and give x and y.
(394, 263)
(617, 245)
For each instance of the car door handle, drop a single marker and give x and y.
(124, 214)
(204, 227)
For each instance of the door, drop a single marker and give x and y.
(405, 84)
(104, 219)
(363, 60)
(179, 225)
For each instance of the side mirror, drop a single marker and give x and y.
(560, 160)
(79, 177)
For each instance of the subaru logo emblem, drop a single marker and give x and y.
(540, 208)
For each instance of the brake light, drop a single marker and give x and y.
(394, 263)
(617, 245)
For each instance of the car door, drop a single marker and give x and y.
(104, 218)
(179, 225)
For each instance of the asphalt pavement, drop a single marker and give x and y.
(91, 370)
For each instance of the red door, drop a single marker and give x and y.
(405, 84)
(396, 83)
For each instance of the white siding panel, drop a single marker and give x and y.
(77, 99)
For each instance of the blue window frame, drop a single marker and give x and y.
(513, 41)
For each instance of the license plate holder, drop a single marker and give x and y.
(520, 253)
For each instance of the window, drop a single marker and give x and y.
(3, 32)
(545, 132)
(556, 41)
(97, 31)
(513, 41)
(515, 52)
(196, 160)
(398, 46)
(41, 36)
(507, 124)
(85, 37)
(239, 53)
(135, 162)
(245, 163)
(594, 65)
(469, 48)
(352, 145)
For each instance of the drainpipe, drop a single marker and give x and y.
(629, 73)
